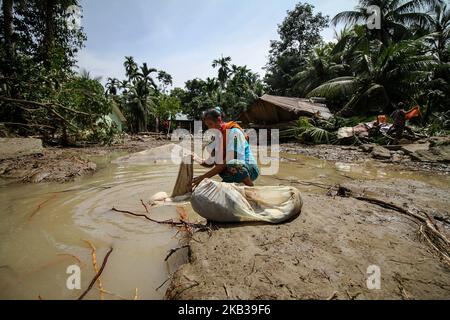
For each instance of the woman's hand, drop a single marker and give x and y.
(197, 159)
(196, 181)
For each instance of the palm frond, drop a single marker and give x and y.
(349, 17)
(336, 88)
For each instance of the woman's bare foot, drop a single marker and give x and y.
(248, 182)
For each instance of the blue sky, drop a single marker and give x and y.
(182, 37)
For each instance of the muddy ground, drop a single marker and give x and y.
(355, 154)
(67, 164)
(324, 253)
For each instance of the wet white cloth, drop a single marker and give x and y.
(184, 179)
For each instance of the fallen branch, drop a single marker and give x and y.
(27, 125)
(181, 223)
(145, 206)
(437, 239)
(43, 105)
(172, 251)
(163, 284)
(389, 206)
(444, 255)
(105, 260)
(427, 221)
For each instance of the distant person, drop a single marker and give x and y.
(399, 122)
(236, 163)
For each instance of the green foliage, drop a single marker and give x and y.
(40, 92)
(367, 72)
(299, 33)
(385, 74)
(167, 107)
(398, 17)
(86, 95)
(308, 132)
(143, 99)
(438, 125)
(38, 47)
(234, 89)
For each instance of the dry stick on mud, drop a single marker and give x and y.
(145, 206)
(113, 294)
(163, 284)
(181, 223)
(427, 221)
(172, 251)
(105, 260)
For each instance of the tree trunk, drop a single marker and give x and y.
(49, 34)
(10, 61)
(7, 9)
(157, 124)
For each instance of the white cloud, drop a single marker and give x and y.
(101, 65)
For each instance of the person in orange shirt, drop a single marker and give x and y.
(234, 162)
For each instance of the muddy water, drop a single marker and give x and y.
(43, 227)
(309, 169)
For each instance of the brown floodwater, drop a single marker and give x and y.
(43, 226)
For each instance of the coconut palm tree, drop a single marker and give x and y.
(137, 104)
(112, 85)
(397, 16)
(224, 69)
(439, 24)
(321, 66)
(131, 68)
(211, 85)
(384, 74)
(145, 75)
(86, 75)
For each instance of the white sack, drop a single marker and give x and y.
(225, 202)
